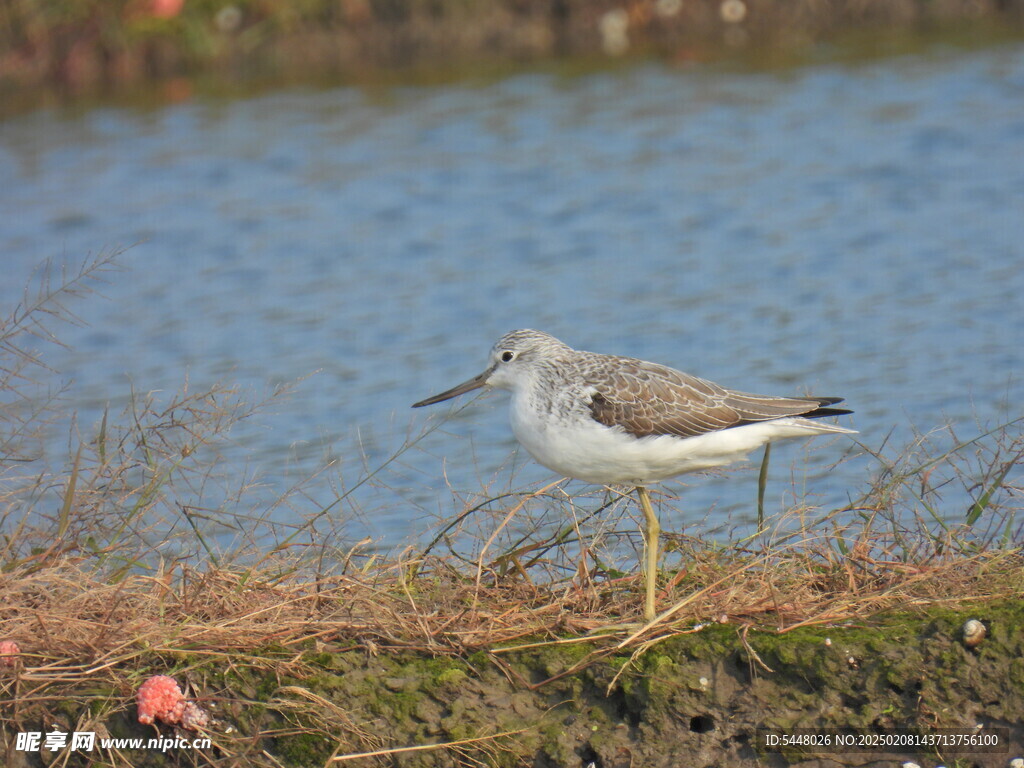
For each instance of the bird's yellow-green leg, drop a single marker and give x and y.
(651, 533)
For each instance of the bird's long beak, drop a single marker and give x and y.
(467, 386)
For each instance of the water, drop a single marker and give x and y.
(834, 230)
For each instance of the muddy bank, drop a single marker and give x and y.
(93, 44)
(689, 699)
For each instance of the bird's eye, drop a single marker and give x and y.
(507, 356)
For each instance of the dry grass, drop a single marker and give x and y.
(68, 612)
(96, 599)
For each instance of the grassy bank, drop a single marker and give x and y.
(681, 696)
(85, 45)
(492, 649)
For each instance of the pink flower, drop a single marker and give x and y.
(165, 9)
(160, 698)
(9, 652)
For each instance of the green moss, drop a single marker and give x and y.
(554, 746)
(551, 660)
(326, 681)
(321, 659)
(450, 678)
(478, 660)
(304, 749)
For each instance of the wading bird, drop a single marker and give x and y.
(617, 420)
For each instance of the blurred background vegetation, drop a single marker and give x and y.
(88, 45)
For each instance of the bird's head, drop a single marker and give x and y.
(511, 363)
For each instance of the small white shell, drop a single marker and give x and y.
(973, 632)
(910, 765)
(1017, 762)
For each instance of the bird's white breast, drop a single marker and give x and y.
(575, 445)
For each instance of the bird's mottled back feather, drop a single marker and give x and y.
(649, 399)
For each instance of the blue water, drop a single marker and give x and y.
(833, 230)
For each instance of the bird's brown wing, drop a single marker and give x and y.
(649, 399)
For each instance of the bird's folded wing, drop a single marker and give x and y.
(648, 399)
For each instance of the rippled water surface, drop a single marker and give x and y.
(832, 230)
